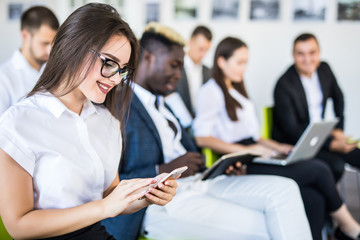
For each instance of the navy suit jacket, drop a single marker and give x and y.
(183, 87)
(143, 151)
(291, 113)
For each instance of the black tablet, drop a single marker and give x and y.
(224, 162)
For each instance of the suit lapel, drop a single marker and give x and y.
(144, 115)
(184, 90)
(206, 74)
(323, 84)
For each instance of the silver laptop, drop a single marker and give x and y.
(306, 147)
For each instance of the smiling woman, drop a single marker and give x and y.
(74, 61)
(99, 81)
(59, 152)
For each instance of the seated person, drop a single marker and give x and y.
(60, 146)
(227, 207)
(193, 75)
(194, 72)
(19, 74)
(300, 97)
(226, 122)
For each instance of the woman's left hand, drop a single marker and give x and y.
(237, 169)
(163, 193)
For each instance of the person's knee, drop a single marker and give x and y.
(335, 162)
(338, 169)
(285, 194)
(324, 169)
(287, 185)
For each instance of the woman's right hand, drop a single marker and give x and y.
(124, 194)
(261, 150)
(341, 146)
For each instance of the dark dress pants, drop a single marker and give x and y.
(93, 232)
(336, 161)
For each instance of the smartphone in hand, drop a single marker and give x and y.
(175, 174)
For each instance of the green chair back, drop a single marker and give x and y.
(267, 122)
(3, 233)
(210, 156)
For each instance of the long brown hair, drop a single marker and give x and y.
(225, 49)
(88, 27)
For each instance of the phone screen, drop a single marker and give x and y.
(175, 174)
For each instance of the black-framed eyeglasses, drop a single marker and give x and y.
(109, 67)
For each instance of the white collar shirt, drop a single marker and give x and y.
(17, 78)
(314, 96)
(72, 158)
(171, 143)
(212, 119)
(194, 76)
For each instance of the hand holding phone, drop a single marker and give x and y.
(174, 174)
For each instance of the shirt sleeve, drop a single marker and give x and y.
(12, 143)
(5, 99)
(208, 107)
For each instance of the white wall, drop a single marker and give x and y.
(269, 42)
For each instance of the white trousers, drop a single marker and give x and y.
(238, 207)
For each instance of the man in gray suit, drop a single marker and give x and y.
(194, 73)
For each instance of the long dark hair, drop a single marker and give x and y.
(226, 49)
(88, 27)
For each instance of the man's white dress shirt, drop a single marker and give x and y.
(314, 96)
(172, 147)
(194, 76)
(17, 78)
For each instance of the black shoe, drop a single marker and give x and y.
(339, 235)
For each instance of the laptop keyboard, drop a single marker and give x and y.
(280, 156)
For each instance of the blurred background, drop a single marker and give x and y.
(267, 26)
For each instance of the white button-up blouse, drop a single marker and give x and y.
(72, 158)
(212, 119)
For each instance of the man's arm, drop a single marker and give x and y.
(337, 96)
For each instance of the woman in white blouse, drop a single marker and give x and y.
(226, 122)
(60, 147)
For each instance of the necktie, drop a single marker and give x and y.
(171, 124)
